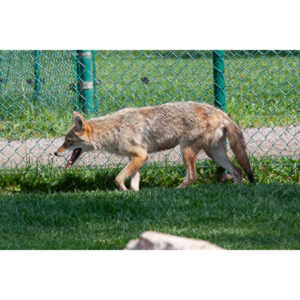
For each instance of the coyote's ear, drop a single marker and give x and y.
(79, 121)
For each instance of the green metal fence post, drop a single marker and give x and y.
(95, 82)
(219, 92)
(219, 79)
(37, 72)
(75, 86)
(84, 77)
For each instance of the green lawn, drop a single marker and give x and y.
(261, 90)
(52, 208)
(234, 217)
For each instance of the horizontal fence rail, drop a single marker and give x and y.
(39, 90)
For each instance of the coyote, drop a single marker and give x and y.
(136, 132)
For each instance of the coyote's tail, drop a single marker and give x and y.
(238, 147)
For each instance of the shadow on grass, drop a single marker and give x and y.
(48, 179)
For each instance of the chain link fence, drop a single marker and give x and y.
(39, 91)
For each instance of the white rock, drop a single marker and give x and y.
(151, 240)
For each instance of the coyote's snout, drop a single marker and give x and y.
(135, 132)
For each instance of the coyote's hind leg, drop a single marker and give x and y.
(219, 155)
(221, 172)
(189, 154)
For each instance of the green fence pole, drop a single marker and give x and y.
(219, 92)
(75, 86)
(37, 73)
(95, 82)
(85, 84)
(219, 79)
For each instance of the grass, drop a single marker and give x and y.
(261, 89)
(22, 115)
(78, 208)
(234, 217)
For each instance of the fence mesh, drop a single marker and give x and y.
(262, 96)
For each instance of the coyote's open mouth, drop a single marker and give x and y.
(75, 154)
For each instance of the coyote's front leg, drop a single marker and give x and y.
(135, 181)
(138, 157)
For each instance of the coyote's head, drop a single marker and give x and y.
(77, 139)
